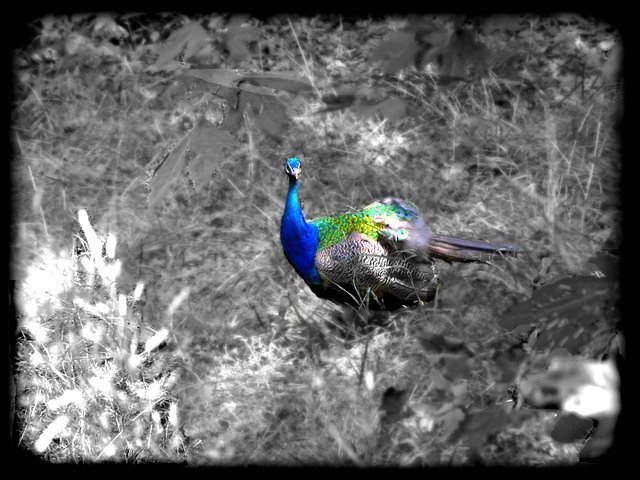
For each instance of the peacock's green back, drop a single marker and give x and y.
(378, 221)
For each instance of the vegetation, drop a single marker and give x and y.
(157, 318)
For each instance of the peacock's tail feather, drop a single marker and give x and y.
(453, 249)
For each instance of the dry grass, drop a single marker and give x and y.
(256, 369)
(91, 384)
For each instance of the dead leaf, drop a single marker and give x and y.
(604, 264)
(208, 148)
(282, 80)
(504, 23)
(167, 172)
(397, 51)
(393, 405)
(217, 76)
(463, 49)
(507, 359)
(612, 68)
(270, 117)
(435, 343)
(460, 394)
(451, 422)
(188, 39)
(458, 291)
(600, 441)
(438, 380)
(107, 49)
(393, 109)
(268, 113)
(76, 43)
(356, 96)
(343, 98)
(586, 388)
(456, 367)
(570, 428)
(454, 359)
(572, 313)
(259, 83)
(478, 426)
(106, 25)
(237, 39)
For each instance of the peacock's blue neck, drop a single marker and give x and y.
(299, 238)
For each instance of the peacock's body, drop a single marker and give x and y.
(380, 255)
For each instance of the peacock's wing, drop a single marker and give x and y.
(381, 249)
(360, 266)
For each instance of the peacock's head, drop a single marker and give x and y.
(292, 167)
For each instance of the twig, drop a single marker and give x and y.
(363, 363)
(304, 59)
(35, 189)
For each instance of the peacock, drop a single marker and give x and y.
(380, 256)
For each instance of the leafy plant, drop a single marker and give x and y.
(237, 38)
(422, 43)
(185, 42)
(572, 313)
(203, 150)
(200, 153)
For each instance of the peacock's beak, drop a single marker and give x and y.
(294, 172)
